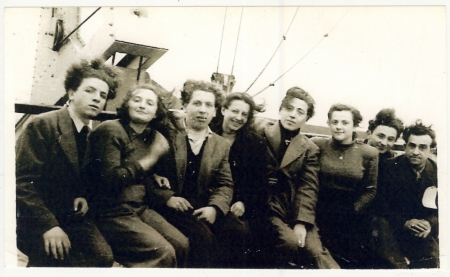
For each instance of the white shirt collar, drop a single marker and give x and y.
(77, 121)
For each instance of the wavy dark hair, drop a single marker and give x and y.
(191, 85)
(418, 129)
(386, 117)
(161, 112)
(217, 121)
(96, 68)
(296, 92)
(356, 115)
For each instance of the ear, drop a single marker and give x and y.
(70, 93)
(223, 110)
(368, 132)
(214, 113)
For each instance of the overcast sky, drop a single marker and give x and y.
(372, 58)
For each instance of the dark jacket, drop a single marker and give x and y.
(403, 193)
(293, 198)
(248, 166)
(215, 184)
(113, 170)
(47, 173)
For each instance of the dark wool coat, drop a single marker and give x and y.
(403, 193)
(47, 173)
(215, 183)
(293, 198)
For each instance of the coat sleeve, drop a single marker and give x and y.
(308, 188)
(221, 195)
(166, 167)
(368, 184)
(112, 172)
(33, 151)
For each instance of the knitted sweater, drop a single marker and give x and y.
(348, 176)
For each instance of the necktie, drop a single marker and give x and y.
(82, 143)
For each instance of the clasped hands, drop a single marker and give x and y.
(420, 227)
(180, 204)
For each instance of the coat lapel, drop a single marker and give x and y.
(205, 165)
(180, 149)
(67, 138)
(295, 149)
(273, 135)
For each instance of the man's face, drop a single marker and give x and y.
(293, 115)
(89, 98)
(200, 110)
(418, 150)
(382, 138)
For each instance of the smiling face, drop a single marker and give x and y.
(200, 110)
(294, 114)
(235, 116)
(341, 125)
(89, 98)
(382, 138)
(142, 106)
(418, 150)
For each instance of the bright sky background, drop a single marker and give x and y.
(372, 58)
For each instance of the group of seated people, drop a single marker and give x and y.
(218, 188)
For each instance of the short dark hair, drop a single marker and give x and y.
(123, 111)
(96, 68)
(296, 92)
(418, 129)
(356, 115)
(191, 85)
(386, 117)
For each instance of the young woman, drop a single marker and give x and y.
(348, 181)
(123, 157)
(247, 161)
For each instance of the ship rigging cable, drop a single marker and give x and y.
(326, 35)
(220, 48)
(282, 39)
(237, 39)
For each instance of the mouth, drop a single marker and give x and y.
(141, 112)
(381, 147)
(94, 107)
(201, 118)
(290, 121)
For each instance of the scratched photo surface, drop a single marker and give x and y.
(371, 58)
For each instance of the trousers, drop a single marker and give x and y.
(287, 249)
(88, 246)
(140, 237)
(211, 245)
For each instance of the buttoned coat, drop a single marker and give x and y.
(295, 195)
(47, 172)
(403, 193)
(215, 183)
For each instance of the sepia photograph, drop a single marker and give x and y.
(282, 136)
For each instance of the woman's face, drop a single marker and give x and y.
(235, 116)
(142, 106)
(341, 125)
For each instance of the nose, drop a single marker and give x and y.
(416, 151)
(338, 125)
(292, 114)
(202, 108)
(383, 142)
(96, 97)
(141, 105)
(239, 116)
